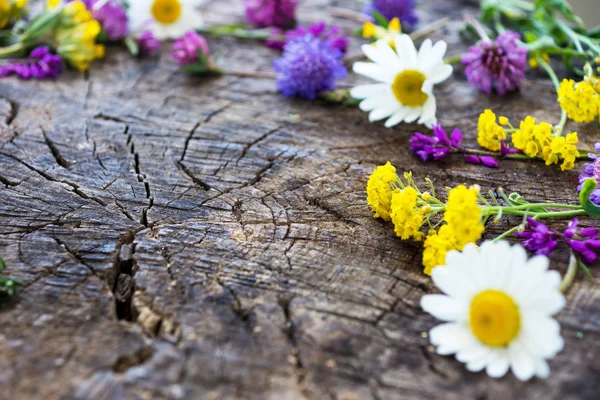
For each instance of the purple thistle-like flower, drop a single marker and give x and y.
(496, 65)
(275, 13)
(308, 66)
(111, 15)
(538, 237)
(404, 10)
(147, 42)
(41, 64)
(592, 170)
(332, 35)
(187, 49)
(435, 147)
(584, 242)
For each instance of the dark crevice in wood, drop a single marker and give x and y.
(7, 182)
(60, 160)
(291, 332)
(431, 362)
(194, 179)
(14, 111)
(128, 361)
(124, 271)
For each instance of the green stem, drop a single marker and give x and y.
(508, 232)
(11, 50)
(549, 71)
(453, 59)
(569, 275)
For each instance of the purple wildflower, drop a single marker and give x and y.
(332, 35)
(584, 242)
(496, 65)
(592, 170)
(147, 42)
(40, 65)
(112, 17)
(275, 13)
(538, 237)
(404, 10)
(437, 146)
(190, 49)
(308, 66)
(506, 150)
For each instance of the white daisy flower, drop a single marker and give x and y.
(405, 91)
(167, 19)
(498, 306)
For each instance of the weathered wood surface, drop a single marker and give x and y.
(206, 238)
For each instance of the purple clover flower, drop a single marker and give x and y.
(592, 170)
(496, 65)
(112, 17)
(147, 42)
(189, 47)
(332, 35)
(275, 13)
(404, 10)
(40, 65)
(539, 239)
(583, 241)
(307, 67)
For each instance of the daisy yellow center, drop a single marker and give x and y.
(166, 11)
(407, 88)
(494, 318)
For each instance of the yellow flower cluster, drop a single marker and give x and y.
(537, 140)
(463, 225)
(489, 133)
(76, 37)
(370, 30)
(11, 10)
(407, 218)
(379, 190)
(579, 100)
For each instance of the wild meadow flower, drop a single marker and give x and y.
(539, 239)
(489, 133)
(41, 64)
(11, 11)
(379, 191)
(112, 17)
(405, 213)
(332, 35)
(190, 49)
(378, 32)
(271, 13)
(592, 171)
(585, 242)
(147, 43)
(497, 307)
(307, 67)
(580, 100)
(404, 10)
(167, 19)
(405, 77)
(438, 146)
(496, 65)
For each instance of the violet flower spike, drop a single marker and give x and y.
(496, 65)
(404, 10)
(41, 64)
(584, 242)
(539, 239)
(592, 170)
(437, 146)
(332, 35)
(271, 13)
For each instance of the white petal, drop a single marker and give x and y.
(499, 366)
(452, 281)
(440, 73)
(542, 369)
(476, 351)
(383, 112)
(435, 56)
(413, 114)
(451, 337)
(364, 91)
(521, 362)
(445, 308)
(406, 51)
(396, 117)
(424, 52)
(429, 109)
(482, 362)
(385, 99)
(388, 57)
(372, 71)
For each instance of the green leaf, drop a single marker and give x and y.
(195, 69)
(589, 185)
(132, 46)
(585, 270)
(381, 20)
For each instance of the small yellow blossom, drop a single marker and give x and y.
(11, 11)
(426, 196)
(489, 133)
(379, 190)
(463, 214)
(405, 216)
(503, 121)
(436, 246)
(370, 30)
(579, 100)
(532, 139)
(563, 149)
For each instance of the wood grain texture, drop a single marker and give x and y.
(206, 238)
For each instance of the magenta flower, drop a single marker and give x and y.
(496, 65)
(275, 13)
(307, 67)
(112, 17)
(592, 170)
(539, 239)
(147, 42)
(584, 242)
(332, 35)
(41, 64)
(404, 10)
(190, 49)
